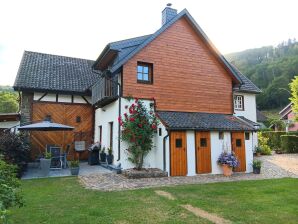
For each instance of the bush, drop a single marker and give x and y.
(289, 143)
(9, 189)
(263, 144)
(274, 140)
(15, 150)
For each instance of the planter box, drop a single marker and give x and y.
(74, 171)
(144, 173)
(45, 165)
(110, 159)
(227, 170)
(256, 170)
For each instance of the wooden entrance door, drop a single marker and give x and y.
(178, 153)
(238, 147)
(203, 152)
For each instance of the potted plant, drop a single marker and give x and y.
(45, 163)
(74, 167)
(228, 161)
(256, 165)
(258, 151)
(110, 156)
(103, 155)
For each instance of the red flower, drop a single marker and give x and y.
(140, 125)
(119, 119)
(153, 126)
(132, 119)
(136, 100)
(125, 115)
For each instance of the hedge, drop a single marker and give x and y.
(274, 141)
(289, 143)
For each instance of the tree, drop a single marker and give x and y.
(8, 102)
(138, 128)
(294, 97)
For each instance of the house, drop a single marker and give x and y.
(9, 121)
(204, 103)
(288, 115)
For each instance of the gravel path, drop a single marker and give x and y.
(275, 166)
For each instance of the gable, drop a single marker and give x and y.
(186, 75)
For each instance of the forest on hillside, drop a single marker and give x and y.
(8, 100)
(271, 69)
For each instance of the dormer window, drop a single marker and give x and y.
(238, 102)
(145, 73)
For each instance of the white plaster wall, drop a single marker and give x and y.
(110, 113)
(191, 153)
(250, 111)
(9, 124)
(217, 147)
(249, 147)
(158, 140)
(64, 98)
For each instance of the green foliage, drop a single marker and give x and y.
(8, 102)
(278, 124)
(289, 143)
(271, 69)
(9, 189)
(257, 164)
(138, 128)
(74, 163)
(263, 144)
(47, 155)
(274, 140)
(294, 97)
(15, 149)
(110, 151)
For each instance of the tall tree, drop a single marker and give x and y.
(294, 97)
(8, 102)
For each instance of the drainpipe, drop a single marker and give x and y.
(164, 151)
(119, 114)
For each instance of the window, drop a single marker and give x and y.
(238, 102)
(145, 73)
(238, 143)
(78, 119)
(246, 135)
(203, 142)
(178, 142)
(221, 135)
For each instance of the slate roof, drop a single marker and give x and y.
(46, 72)
(202, 121)
(247, 85)
(249, 122)
(261, 117)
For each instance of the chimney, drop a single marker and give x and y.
(168, 14)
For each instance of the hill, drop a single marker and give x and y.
(271, 69)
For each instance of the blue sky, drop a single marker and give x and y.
(81, 28)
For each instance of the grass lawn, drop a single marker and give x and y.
(63, 200)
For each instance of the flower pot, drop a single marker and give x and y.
(227, 170)
(110, 159)
(74, 171)
(45, 165)
(256, 170)
(103, 157)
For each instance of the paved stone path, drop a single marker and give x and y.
(275, 166)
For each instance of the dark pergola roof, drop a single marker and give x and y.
(202, 121)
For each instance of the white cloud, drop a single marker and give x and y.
(82, 28)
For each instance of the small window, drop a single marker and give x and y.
(246, 135)
(178, 142)
(238, 102)
(238, 142)
(203, 142)
(159, 132)
(221, 135)
(145, 73)
(78, 119)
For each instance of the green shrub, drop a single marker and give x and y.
(9, 189)
(263, 144)
(289, 143)
(274, 141)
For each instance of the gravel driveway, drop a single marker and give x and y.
(274, 166)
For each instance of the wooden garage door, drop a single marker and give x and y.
(178, 153)
(203, 152)
(238, 147)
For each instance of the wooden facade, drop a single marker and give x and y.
(187, 76)
(80, 116)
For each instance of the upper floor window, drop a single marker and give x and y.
(145, 73)
(238, 102)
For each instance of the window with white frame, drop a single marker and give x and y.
(238, 102)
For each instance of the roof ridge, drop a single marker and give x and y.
(56, 55)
